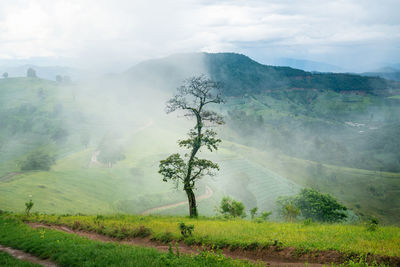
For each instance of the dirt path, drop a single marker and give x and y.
(9, 176)
(209, 193)
(19, 254)
(93, 158)
(251, 255)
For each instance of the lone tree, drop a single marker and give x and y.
(191, 98)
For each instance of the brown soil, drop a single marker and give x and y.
(26, 257)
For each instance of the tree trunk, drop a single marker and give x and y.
(192, 203)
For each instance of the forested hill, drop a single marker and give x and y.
(242, 75)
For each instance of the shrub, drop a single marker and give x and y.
(312, 204)
(186, 230)
(290, 212)
(265, 215)
(141, 231)
(28, 207)
(372, 224)
(320, 207)
(253, 212)
(231, 207)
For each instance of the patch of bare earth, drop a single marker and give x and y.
(19, 254)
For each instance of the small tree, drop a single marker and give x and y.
(191, 98)
(110, 154)
(320, 207)
(290, 212)
(31, 73)
(253, 212)
(186, 230)
(28, 207)
(372, 224)
(265, 215)
(231, 207)
(5, 75)
(37, 160)
(312, 204)
(59, 78)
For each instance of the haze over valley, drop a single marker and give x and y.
(201, 123)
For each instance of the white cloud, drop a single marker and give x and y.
(104, 31)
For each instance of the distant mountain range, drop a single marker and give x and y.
(239, 72)
(242, 75)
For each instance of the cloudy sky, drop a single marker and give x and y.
(353, 34)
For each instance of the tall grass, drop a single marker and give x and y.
(71, 250)
(348, 239)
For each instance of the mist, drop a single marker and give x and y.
(296, 115)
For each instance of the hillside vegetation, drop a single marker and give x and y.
(243, 233)
(277, 140)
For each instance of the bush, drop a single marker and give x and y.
(312, 204)
(142, 231)
(110, 154)
(320, 207)
(253, 212)
(264, 216)
(291, 212)
(372, 224)
(186, 230)
(231, 207)
(37, 160)
(28, 207)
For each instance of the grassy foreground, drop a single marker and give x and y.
(70, 250)
(8, 260)
(347, 239)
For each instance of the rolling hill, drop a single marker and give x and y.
(286, 129)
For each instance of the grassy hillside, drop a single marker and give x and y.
(274, 144)
(133, 185)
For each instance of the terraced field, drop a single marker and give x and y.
(263, 185)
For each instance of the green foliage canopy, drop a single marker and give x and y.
(38, 159)
(231, 207)
(314, 205)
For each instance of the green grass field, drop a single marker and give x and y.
(71, 250)
(133, 185)
(8, 260)
(346, 239)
